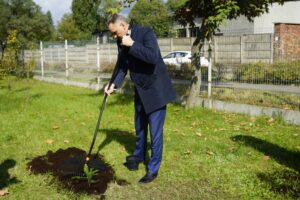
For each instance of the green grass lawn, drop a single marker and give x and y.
(207, 154)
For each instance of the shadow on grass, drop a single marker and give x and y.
(290, 159)
(5, 178)
(285, 182)
(15, 102)
(124, 138)
(10, 89)
(5, 87)
(121, 99)
(22, 89)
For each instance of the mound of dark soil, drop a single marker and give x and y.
(67, 166)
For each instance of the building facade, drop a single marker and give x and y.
(286, 13)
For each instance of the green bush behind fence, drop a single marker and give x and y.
(282, 72)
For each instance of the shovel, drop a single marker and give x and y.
(74, 166)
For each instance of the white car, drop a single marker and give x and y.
(177, 58)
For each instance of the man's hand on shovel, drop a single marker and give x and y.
(109, 90)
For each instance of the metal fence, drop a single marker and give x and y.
(245, 69)
(248, 69)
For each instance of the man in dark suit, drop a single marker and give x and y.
(139, 54)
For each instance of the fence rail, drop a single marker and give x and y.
(227, 50)
(245, 69)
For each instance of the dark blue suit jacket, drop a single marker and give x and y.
(147, 70)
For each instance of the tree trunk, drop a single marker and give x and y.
(196, 79)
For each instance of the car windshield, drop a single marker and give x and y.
(175, 54)
(171, 55)
(181, 54)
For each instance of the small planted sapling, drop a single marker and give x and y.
(88, 174)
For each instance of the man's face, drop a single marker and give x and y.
(118, 29)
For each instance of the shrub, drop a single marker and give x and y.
(287, 72)
(220, 71)
(185, 71)
(9, 62)
(29, 67)
(253, 72)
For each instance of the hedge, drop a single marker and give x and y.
(283, 72)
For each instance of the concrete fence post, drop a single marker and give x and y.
(52, 60)
(242, 47)
(271, 48)
(209, 68)
(98, 60)
(66, 59)
(42, 58)
(215, 50)
(109, 53)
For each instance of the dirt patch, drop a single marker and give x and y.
(67, 167)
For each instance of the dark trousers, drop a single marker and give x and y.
(155, 121)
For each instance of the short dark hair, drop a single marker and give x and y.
(112, 19)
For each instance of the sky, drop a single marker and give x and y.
(57, 8)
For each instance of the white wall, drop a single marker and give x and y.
(238, 26)
(289, 12)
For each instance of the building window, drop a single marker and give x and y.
(194, 31)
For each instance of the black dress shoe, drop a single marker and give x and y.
(132, 162)
(148, 178)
